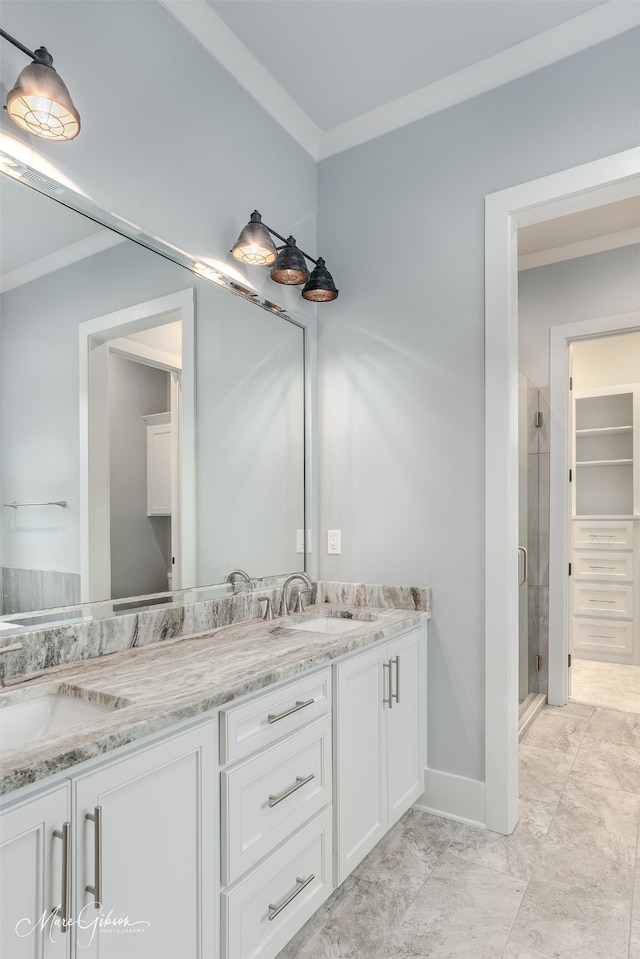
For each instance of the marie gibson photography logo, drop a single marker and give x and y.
(88, 923)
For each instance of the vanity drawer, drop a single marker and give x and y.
(602, 533)
(268, 797)
(605, 600)
(264, 911)
(270, 716)
(613, 638)
(603, 566)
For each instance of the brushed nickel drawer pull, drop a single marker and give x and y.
(595, 636)
(301, 884)
(609, 601)
(63, 909)
(96, 890)
(299, 783)
(602, 567)
(602, 535)
(300, 704)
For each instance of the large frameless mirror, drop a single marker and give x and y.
(153, 425)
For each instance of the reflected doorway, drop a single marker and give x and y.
(135, 539)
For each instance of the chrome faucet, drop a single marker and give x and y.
(8, 649)
(284, 609)
(237, 574)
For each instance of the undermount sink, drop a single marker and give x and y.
(54, 712)
(329, 624)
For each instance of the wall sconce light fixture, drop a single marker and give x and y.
(39, 102)
(255, 247)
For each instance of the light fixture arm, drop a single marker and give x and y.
(284, 240)
(41, 55)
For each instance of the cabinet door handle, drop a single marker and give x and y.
(96, 890)
(300, 704)
(63, 909)
(299, 783)
(301, 884)
(396, 695)
(388, 701)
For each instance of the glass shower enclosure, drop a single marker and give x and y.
(533, 566)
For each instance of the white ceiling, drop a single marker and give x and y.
(335, 73)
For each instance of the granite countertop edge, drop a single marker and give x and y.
(156, 687)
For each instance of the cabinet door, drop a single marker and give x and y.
(153, 858)
(406, 723)
(31, 878)
(360, 759)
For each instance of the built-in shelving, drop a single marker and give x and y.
(603, 451)
(605, 597)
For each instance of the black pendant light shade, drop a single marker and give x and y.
(320, 288)
(40, 102)
(254, 245)
(290, 267)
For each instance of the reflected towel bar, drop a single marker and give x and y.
(59, 502)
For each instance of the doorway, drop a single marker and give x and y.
(604, 631)
(137, 450)
(591, 185)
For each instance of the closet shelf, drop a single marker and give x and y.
(604, 462)
(605, 431)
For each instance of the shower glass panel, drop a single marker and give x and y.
(533, 497)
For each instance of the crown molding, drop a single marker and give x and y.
(216, 37)
(80, 250)
(602, 23)
(579, 33)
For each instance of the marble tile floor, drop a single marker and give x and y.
(612, 685)
(564, 885)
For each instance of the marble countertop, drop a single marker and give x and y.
(154, 687)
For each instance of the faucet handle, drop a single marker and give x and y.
(299, 604)
(268, 613)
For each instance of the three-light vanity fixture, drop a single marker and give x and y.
(255, 247)
(39, 102)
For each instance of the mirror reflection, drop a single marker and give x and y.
(152, 424)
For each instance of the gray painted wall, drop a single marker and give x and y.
(401, 351)
(603, 284)
(140, 544)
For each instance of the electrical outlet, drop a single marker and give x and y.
(300, 541)
(333, 541)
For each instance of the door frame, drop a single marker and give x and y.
(97, 338)
(592, 184)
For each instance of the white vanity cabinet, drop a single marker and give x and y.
(145, 849)
(148, 852)
(380, 753)
(276, 823)
(34, 865)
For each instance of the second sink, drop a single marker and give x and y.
(55, 711)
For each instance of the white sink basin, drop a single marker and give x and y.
(328, 624)
(54, 712)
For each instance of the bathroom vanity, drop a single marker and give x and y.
(233, 779)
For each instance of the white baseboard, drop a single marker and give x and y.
(453, 797)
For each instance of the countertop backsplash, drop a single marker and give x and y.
(43, 648)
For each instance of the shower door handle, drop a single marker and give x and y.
(522, 554)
